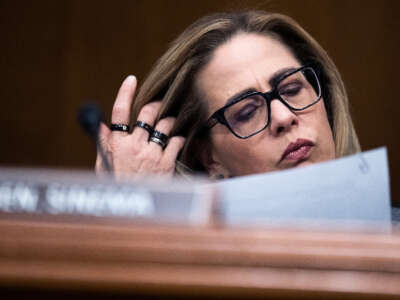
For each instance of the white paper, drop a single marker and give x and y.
(353, 188)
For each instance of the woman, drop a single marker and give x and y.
(235, 94)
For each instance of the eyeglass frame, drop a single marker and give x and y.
(219, 117)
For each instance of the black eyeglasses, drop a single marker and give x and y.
(250, 113)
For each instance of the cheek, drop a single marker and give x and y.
(228, 152)
(227, 147)
(243, 156)
(322, 129)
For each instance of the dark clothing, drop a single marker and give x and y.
(396, 217)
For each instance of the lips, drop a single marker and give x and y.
(299, 150)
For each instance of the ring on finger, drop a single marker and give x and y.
(157, 141)
(145, 126)
(159, 135)
(120, 127)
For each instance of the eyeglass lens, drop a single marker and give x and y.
(250, 114)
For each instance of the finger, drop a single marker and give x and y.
(99, 165)
(104, 134)
(147, 114)
(122, 105)
(175, 145)
(164, 125)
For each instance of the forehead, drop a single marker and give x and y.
(246, 61)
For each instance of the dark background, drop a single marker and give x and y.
(56, 54)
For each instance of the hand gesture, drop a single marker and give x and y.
(147, 149)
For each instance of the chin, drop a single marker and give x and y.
(309, 162)
(305, 163)
(301, 163)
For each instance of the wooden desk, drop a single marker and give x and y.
(61, 259)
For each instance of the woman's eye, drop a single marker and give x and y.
(290, 90)
(246, 113)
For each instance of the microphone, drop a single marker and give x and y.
(89, 117)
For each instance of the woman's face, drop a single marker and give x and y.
(292, 139)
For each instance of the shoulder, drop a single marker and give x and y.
(396, 217)
(396, 214)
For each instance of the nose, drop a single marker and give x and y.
(282, 118)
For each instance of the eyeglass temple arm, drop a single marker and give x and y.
(211, 122)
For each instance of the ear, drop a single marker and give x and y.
(212, 164)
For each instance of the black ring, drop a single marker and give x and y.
(157, 141)
(145, 126)
(159, 135)
(119, 127)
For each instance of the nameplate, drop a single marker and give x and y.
(38, 192)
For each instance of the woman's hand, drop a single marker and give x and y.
(132, 154)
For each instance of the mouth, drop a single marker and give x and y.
(298, 151)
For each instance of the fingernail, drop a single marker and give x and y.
(130, 79)
(183, 140)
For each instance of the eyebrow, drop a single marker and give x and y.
(275, 78)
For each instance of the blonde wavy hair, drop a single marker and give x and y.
(172, 78)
